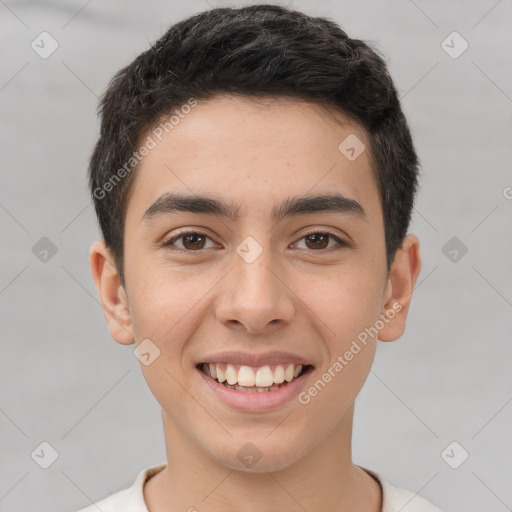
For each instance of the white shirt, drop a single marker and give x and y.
(131, 499)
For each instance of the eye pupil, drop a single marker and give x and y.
(316, 236)
(193, 236)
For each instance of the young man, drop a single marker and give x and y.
(254, 181)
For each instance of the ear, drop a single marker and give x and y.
(399, 287)
(112, 294)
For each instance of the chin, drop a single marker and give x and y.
(260, 457)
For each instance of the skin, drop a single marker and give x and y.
(297, 296)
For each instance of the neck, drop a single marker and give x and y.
(325, 478)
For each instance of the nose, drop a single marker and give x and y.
(255, 297)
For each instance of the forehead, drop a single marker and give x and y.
(253, 152)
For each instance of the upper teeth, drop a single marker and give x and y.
(248, 377)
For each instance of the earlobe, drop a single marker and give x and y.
(399, 287)
(111, 292)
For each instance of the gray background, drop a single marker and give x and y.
(65, 381)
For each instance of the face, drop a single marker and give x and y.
(259, 275)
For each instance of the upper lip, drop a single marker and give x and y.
(244, 358)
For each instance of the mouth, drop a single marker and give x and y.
(249, 379)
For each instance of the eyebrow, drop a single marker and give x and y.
(301, 205)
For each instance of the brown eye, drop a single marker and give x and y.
(194, 241)
(319, 240)
(190, 241)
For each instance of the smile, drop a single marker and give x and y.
(253, 379)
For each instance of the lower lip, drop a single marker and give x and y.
(257, 400)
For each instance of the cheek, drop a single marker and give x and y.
(345, 303)
(346, 308)
(346, 313)
(166, 310)
(169, 308)
(162, 298)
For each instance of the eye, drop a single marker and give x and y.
(192, 241)
(195, 241)
(319, 240)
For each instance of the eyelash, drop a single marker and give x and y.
(168, 244)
